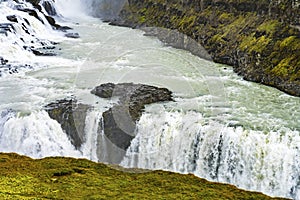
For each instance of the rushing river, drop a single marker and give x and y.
(219, 127)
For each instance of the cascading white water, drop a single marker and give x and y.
(35, 135)
(220, 127)
(188, 143)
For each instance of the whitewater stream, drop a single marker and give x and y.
(219, 127)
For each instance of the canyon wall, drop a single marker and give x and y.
(260, 39)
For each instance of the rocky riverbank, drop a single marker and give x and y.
(261, 40)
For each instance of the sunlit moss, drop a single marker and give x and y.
(252, 43)
(67, 178)
(268, 26)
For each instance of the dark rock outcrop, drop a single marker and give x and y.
(71, 115)
(49, 8)
(72, 35)
(42, 53)
(12, 18)
(260, 39)
(176, 39)
(119, 122)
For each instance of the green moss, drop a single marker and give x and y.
(142, 19)
(67, 178)
(225, 17)
(292, 43)
(282, 68)
(252, 43)
(269, 26)
(186, 22)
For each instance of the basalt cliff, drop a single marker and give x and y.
(260, 39)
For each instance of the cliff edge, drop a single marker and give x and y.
(260, 39)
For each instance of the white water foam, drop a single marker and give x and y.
(18, 40)
(35, 135)
(188, 143)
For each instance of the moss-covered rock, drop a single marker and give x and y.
(260, 39)
(69, 178)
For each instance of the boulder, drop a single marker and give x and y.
(12, 18)
(119, 122)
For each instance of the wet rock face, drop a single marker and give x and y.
(178, 40)
(119, 122)
(71, 115)
(12, 18)
(133, 96)
(49, 8)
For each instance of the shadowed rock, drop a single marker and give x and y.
(12, 18)
(71, 116)
(119, 122)
(72, 35)
(177, 40)
(49, 8)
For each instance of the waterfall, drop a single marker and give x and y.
(35, 135)
(187, 143)
(97, 8)
(89, 148)
(220, 128)
(22, 36)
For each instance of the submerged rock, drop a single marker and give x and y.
(7, 67)
(119, 122)
(42, 53)
(177, 40)
(72, 35)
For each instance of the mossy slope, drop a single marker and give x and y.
(260, 39)
(68, 178)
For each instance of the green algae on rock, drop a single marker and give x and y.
(69, 178)
(261, 40)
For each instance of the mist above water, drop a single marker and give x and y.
(104, 9)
